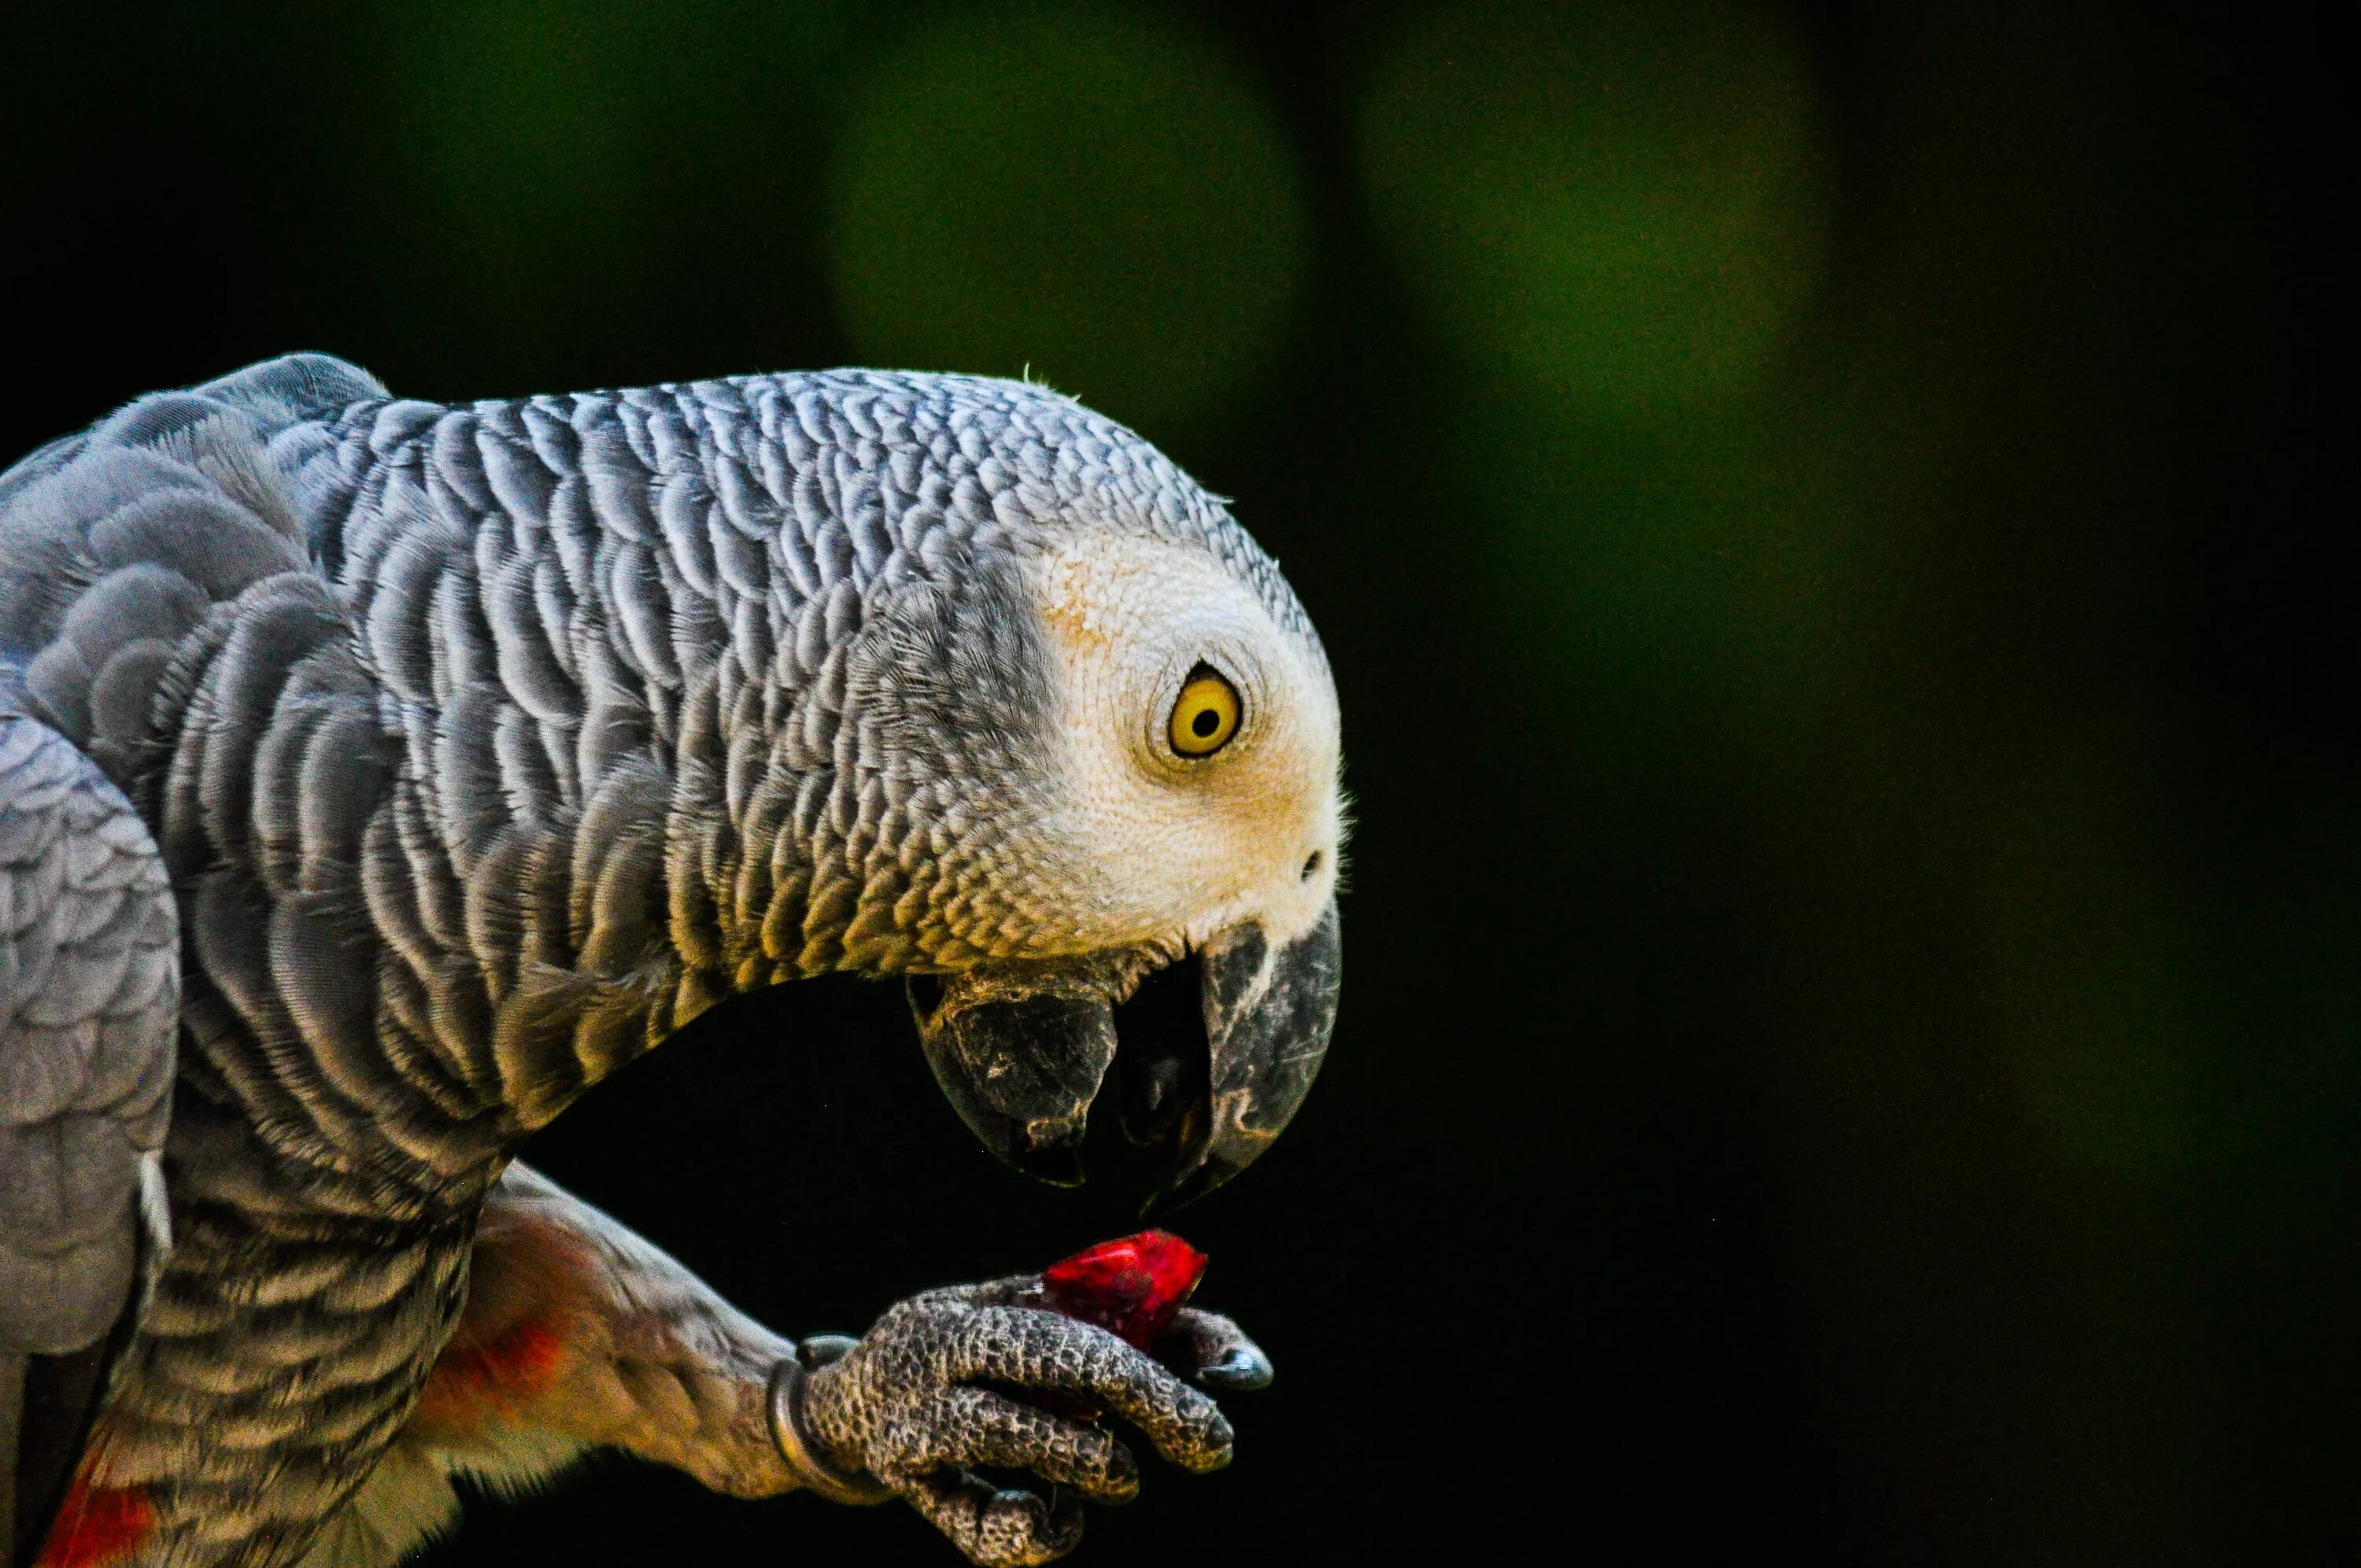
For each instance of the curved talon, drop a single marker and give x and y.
(1244, 1368)
(1211, 1350)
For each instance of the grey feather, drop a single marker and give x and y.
(89, 1007)
(484, 745)
(89, 1002)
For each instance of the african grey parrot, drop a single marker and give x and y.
(377, 776)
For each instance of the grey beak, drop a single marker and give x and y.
(1268, 1014)
(1220, 1072)
(1021, 1071)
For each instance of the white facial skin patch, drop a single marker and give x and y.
(1175, 848)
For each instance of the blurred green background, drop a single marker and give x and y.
(1825, 517)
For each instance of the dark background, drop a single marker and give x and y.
(1830, 527)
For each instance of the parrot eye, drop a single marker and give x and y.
(1207, 714)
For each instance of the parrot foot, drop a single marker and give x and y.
(987, 1378)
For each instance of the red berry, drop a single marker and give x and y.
(1131, 1287)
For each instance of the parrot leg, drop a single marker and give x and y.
(579, 1334)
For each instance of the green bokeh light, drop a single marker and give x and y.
(1627, 203)
(2095, 960)
(511, 153)
(546, 187)
(1108, 201)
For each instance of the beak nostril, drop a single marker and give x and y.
(1311, 866)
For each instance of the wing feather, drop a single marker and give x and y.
(90, 995)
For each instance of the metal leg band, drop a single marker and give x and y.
(789, 1431)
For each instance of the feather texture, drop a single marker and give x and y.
(483, 746)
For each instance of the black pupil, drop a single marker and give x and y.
(1205, 723)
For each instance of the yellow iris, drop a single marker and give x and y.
(1206, 716)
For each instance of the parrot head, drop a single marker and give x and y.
(1097, 746)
